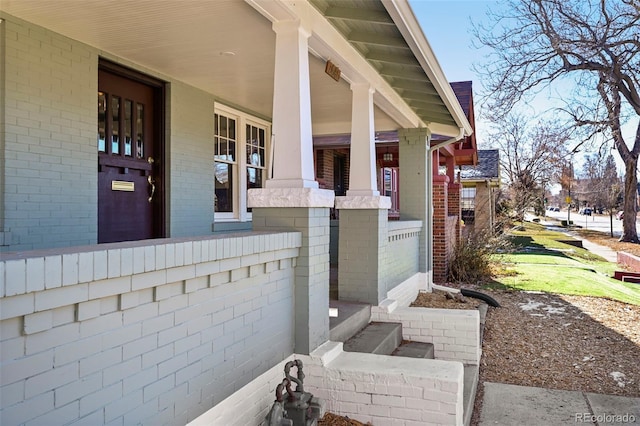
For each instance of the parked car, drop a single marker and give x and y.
(585, 211)
(620, 215)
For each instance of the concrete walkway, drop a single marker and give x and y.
(521, 405)
(505, 404)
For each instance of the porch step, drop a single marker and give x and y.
(415, 350)
(380, 338)
(469, 392)
(352, 317)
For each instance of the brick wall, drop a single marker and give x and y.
(142, 334)
(441, 244)
(49, 97)
(50, 155)
(454, 207)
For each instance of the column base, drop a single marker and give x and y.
(363, 202)
(290, 197)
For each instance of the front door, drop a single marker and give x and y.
(129, 181)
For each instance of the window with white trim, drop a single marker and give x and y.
(235, 133)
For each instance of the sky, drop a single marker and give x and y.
(447, 25)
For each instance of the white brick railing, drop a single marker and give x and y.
(148, 332)
(402, 253)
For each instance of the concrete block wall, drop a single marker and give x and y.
(455, 333)
(384, 390)
(133, 333)
(402, 253)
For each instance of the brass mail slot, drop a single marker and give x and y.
(119, 185)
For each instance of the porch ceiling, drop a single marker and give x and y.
(226, 48)
(371, 30)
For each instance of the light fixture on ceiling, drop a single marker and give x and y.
(387, 156)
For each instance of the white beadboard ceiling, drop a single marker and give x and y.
(188, 40)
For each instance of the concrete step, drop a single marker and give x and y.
(469, 392)
(415, 350)
(352, 317)
(380, 338)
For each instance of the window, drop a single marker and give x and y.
(235, 133)
(468, 205)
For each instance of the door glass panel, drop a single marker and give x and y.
(128, 124)
(115, 125)
(139, 130)
(102, 122)
(224, 187)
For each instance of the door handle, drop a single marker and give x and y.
(153, 187)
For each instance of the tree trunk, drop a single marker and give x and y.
(629, 233)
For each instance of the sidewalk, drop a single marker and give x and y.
(521, 405)
(508, 405)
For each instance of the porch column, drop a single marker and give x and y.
(291, 199)
(413, 147)
(363, 212)
(453, 195)
(441, 236)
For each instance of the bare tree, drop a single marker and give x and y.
(602, 187)
(594, 43)
(531, 155)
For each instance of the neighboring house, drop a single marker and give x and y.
(332, 171)
(131, 131)
(480, 184)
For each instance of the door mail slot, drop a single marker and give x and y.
(119, 185)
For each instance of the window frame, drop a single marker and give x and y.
(239, 211)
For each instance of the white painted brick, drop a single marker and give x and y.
(121, 336)
(85, 267)
(170, 255)
(204, 252)
(109, 305)
(94, 401)
(157, 323)
(118, 372)
(195, 284)
(11, 307)
(76, 350)
(122, 406)
(58, 297)
(173, 304)
(126, 261)
(113, 263)
(181, 273)
(100, 265)
(148, 279)
(16, 370)
(207, 268)
(141, 313)
(161, 256)
(28, 409)
(35, 274)
(101, 324)
(138, 260)
(168, 290)
(52, 338)
(70, 269)
(179, 254)
(12, 394)
(161, 386)
(16, 277)
(109, 287)
(50, 380)
(98, 362)
(136, 382)
(171, 335)
(129, 300)
(149, 258)
(139, 346)
(188, 252)
(38, 322)
(76, 389)
(155, 357)
(89, 309)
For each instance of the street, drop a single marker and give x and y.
(595, 222)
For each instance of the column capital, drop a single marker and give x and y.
(289, 26)
(290, 197)
(370, 202)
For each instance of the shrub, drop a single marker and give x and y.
(472, 259)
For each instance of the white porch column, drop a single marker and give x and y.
(292, 199)
(292, 135)
(362, 173)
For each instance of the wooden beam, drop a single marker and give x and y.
(392, 58)
(414, 86)
(377, 39)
